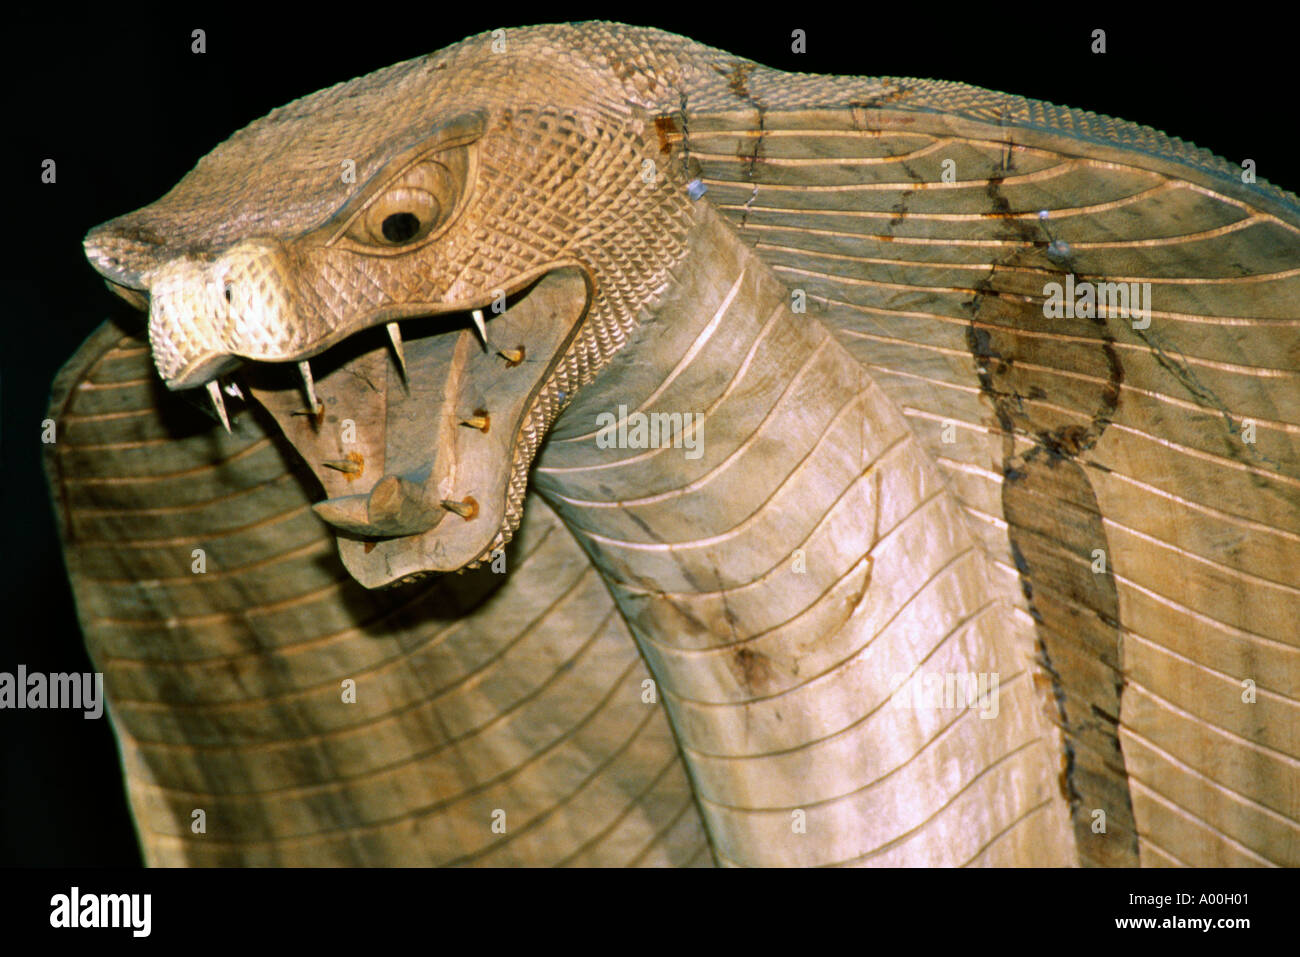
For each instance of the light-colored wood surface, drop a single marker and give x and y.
(908, 466)
(520, 692)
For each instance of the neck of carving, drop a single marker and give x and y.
(781, 565)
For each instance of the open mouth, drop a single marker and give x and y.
(419, 440)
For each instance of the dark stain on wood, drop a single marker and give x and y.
(1054, 522)
(737, 77)
(669, 133)
(752, 669)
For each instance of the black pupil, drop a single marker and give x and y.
(400, 227)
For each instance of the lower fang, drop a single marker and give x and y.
(479, 420)
(466, 509)
(348, 466)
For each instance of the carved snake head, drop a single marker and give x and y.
(457, 243)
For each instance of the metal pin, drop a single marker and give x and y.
(312, 405)
(466, 509)
(343, 465)
(512, 356)
(214, 393)
(479, 420)
(395, 334)
(481, 327)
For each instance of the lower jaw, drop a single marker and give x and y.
(416, 471)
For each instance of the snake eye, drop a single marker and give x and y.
(410, 209)
(400, 216)
(400, 227)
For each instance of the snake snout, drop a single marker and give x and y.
(205, 313)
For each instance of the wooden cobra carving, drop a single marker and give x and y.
(931, 455)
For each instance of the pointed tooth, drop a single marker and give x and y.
(466, 509)
(479, 420)
(343, 465)
(512, 356)
(481, 326)
(305, 368)
(232, 390)
(395, 334)
(214, 393)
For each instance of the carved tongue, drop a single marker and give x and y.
(396, 506)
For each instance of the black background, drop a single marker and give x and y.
(126, 109)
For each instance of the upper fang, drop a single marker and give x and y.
(481, 327)
(214, 393)
(395, 334)
(305, 368)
